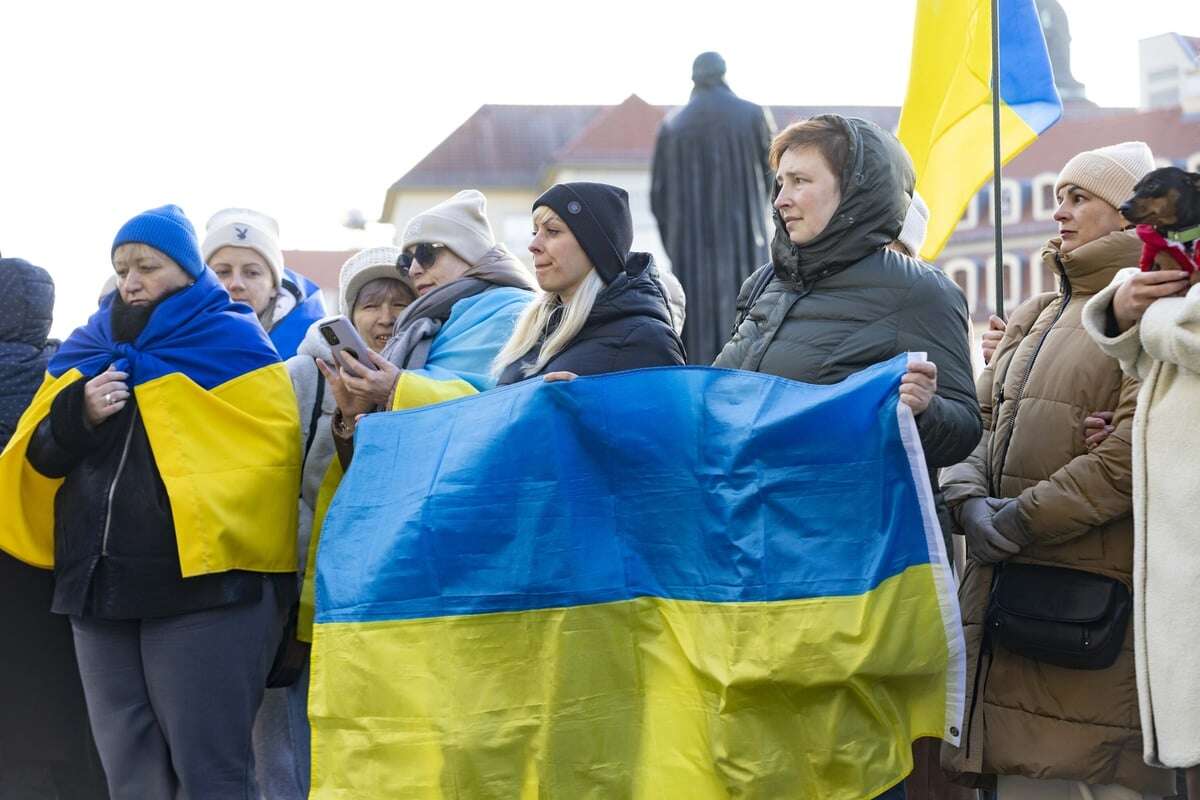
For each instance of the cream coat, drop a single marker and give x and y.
(1163, 351)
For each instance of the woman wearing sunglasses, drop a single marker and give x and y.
(602, 308)
(470, 291)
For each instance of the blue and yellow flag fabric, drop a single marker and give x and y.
(222, 422)
(946, 120)
(412, 390)
(664, 583)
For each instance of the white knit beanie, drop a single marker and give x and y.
(916, 221)
(1110, 172)
(243, 227)
(364, 267)
(460, 223)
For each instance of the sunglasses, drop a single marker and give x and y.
(424, 254)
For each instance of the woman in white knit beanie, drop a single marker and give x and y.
(372, 293)
(1041, 512)
(242, 247)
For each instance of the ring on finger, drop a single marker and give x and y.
(108, 401)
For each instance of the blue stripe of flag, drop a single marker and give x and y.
(683, 483)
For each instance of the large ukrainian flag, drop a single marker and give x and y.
(672, 583)
(221, 417)
(946, 121)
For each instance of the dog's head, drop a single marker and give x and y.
(1167, 198)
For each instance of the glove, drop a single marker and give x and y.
(985, 542)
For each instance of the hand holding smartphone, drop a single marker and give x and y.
(341, 336)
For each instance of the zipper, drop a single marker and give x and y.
(112, 489)
(1066, 299)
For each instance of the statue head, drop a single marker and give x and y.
(708, 69)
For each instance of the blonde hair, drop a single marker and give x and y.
(536, 316)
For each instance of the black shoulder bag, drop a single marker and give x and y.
(1065, 617)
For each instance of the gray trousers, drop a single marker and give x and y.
(172, 701)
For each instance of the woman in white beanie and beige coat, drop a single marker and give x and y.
(1150, 323)
(372, 294)
(1042, 512)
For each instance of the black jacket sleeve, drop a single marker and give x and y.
(62, 439)
(649, 344)
(935, 320)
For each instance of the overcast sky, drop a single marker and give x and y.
(306, 110)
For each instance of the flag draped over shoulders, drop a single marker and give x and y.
(946, 120)
(222, 422)
(659, 583)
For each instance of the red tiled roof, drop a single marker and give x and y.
(320, 266)
(621, 134)
(497, 146)
(503, 146)
(1170, 134)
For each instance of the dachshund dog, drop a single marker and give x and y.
(1166, 209)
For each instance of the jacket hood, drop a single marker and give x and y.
(1092, 266)
(877, 182)
(636, 291)
(26, 303)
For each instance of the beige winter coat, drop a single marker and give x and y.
(1163, 350)
(1025, 717)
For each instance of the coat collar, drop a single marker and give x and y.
(1092, 266)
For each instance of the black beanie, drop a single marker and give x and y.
(598, 216)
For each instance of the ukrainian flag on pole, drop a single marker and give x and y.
(668, 583)
(946, 121)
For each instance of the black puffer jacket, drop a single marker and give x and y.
(843, 302)
(629, 327)
(115, 552)
(26, 308)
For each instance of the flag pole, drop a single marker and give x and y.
(997, 198)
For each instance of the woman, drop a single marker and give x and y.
(46, 747)
(470, 291)
(602, 308)
(372, 294)
(835, 299)
(165, 442)
(1033, 493)
(242, 247)
(1148, 321)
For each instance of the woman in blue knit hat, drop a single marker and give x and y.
(165, 439)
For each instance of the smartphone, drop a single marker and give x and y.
(340, 335)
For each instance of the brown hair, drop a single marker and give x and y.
(828, 138)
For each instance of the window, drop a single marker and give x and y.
(1041, 278)
(1042, 194)
(970, 217)
(1010, 202)
(1165, 97)
(1012, 282)
(965, 273)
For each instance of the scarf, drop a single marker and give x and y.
(415, 330)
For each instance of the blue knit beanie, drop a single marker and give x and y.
(167, 230)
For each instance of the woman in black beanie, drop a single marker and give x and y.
(602, 308)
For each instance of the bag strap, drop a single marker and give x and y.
(314, 420)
